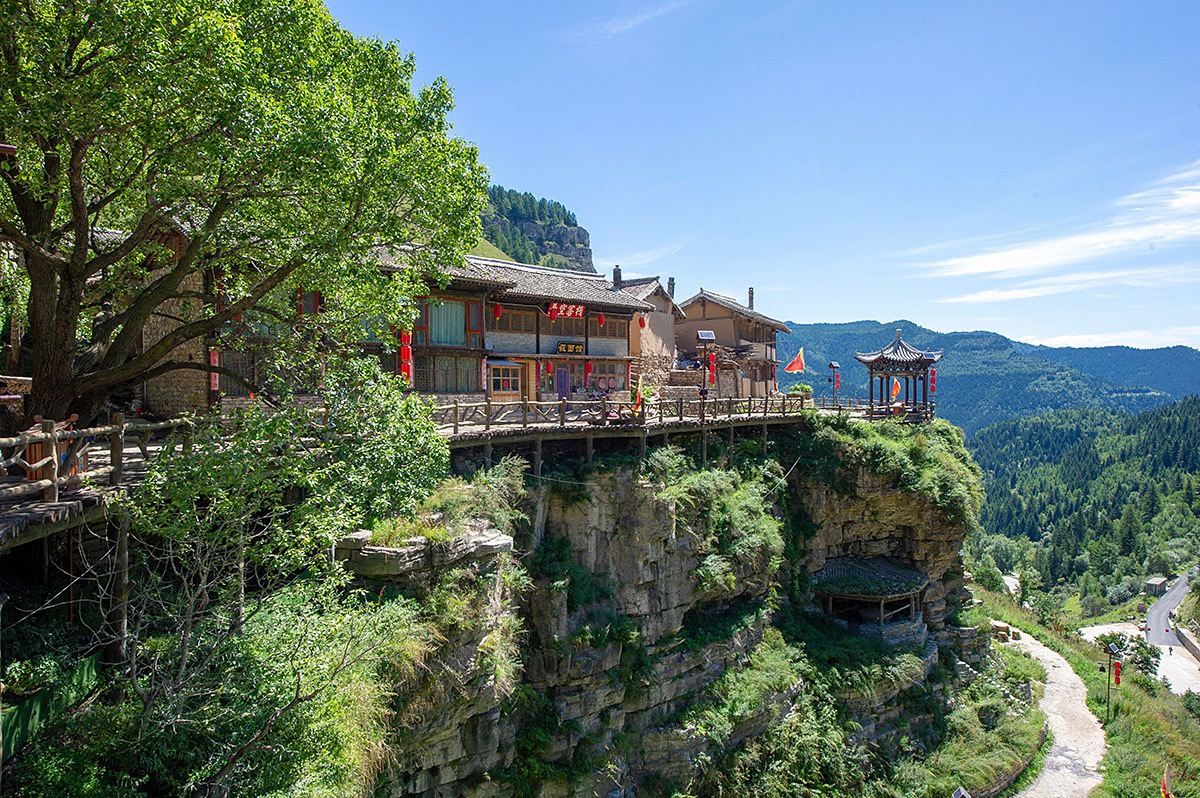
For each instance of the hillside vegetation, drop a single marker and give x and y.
(535, 230)
(1091, 502)
(985, 378)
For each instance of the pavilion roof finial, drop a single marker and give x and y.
(898, 331)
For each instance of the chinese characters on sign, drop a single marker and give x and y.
(567, 311)
(568, 348)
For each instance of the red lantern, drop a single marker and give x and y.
(406, 338)
(600, 319)
(406, 371)
(933, 380)
(1117, 673)
(497, 310)
(406, 353)
(549, 368)
(642, 322)
(554, 312)
(588, 368)
(837, 382)
(712, 360)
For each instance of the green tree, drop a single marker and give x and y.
(168, 149)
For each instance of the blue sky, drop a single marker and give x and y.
(1028, 168)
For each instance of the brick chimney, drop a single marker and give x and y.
(671, 287)
(617, 277)
(750, 300)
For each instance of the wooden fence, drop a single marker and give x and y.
(471, 416)
(57, 456)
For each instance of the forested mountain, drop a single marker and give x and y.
(984, 377)
(1174, 370)
(1107, 498)
(536, 230)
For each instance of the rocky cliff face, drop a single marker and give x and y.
(612, 658)
(560, 245)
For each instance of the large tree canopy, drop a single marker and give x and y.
(168, 146)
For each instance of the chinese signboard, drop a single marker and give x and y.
(567, 348)
(567, 311)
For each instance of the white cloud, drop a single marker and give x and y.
(1142, 339)
(1168, 213)
(634, 259)
(1081, 281)
(620, 25)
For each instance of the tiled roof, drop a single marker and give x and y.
(898, 353)
(872, 576)
(539, 282)
(737, 307)
(644, 287)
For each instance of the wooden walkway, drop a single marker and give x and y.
(72, 475)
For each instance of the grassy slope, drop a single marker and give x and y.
(1149, 727)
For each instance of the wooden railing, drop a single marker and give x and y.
(56, 456)
(920, 411)
(473, 416)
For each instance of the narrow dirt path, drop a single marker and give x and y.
(1070, 767)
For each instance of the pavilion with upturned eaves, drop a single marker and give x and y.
(902, 379)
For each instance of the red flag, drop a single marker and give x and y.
(797, 364)
(895, 387)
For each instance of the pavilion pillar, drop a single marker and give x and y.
(881, 613)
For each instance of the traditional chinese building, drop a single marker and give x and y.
(742, 339)
(902, 379)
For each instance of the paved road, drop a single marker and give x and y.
(1158, 629)
(1179, 667)
(1070, 769)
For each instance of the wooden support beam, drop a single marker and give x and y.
(704, 446)
(487, 453)
(537, 457)
(642, 446)
(764, 439)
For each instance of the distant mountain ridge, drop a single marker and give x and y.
(536, 230)
(985, 377)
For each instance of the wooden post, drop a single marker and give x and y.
(537, 457)
(456, 415)
(589, 448)
(186, 446)
(487, 413)
(642, 446)
(881, 613)
(704, 445)
(660, 404)
(764, 439)
(524, 414)
(562, 412)
(487, 453)
(679, 405)
(118, 619)
(604, 411)
(50, 492)
(116, 450)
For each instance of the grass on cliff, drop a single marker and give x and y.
(492, 494)
(930, 459)
(1149, 728)
(987, 735)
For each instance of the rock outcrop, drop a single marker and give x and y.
(608, 658)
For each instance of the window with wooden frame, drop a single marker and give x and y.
(612, 328)
(505, 379)
(567, 327)
(449, 322)
(518, 321)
